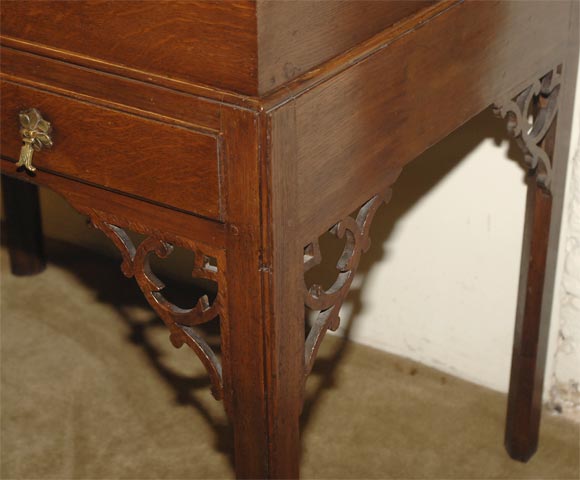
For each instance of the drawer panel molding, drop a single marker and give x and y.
(163, 163)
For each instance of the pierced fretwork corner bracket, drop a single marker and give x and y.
(529, 115)
(355, 233)
(179, 321)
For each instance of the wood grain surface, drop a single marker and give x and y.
(296, 36)
(255, 127)
(140, 216)
(209, 42)
(163, 163)
(361, 127)
(110, 90)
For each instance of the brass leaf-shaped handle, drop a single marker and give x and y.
(35, 132)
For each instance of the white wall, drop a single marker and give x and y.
(439, 283)
(564, 379)
(564, 371)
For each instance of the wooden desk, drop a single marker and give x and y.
(243, 131)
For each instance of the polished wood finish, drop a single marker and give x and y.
(408, 105)
(524, 403)
(285, 365)
(177, 39)
(243, 131)
(247, 396)
(294, 37)
(113, 91)
(121, 152)
(269, 42)
(23, 226)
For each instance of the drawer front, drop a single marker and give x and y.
(145, 158)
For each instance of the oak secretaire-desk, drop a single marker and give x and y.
(245, 130)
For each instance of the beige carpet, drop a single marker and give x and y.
(92, 389)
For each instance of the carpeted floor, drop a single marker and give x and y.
(92, 389)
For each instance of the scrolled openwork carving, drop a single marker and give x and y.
(180, 322)
(529, 118)
(355, 232)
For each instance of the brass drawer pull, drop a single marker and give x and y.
(35, 132)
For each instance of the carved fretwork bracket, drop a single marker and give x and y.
(355, 233)
(181, 322)
(530, 114)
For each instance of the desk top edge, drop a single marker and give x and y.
(255, 101)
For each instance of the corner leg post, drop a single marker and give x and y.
(537, 280)
(23, 226)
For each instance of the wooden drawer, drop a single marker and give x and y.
(166, 164)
